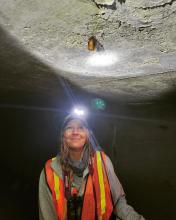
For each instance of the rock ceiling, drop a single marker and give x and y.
(44, 40)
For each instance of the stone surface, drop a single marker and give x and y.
(104, 2)
(141, 34)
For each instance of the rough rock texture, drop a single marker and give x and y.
(104, 2)
(50, 23)
(141, 34)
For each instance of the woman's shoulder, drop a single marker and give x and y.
(54, 164)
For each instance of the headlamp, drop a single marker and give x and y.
(79, 112)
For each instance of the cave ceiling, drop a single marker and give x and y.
(44, 44)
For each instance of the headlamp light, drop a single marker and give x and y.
(79, 111)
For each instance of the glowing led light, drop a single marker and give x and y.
(78, 112)
(102, 59)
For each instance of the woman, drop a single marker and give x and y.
(80, 183)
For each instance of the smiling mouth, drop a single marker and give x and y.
(75, 139)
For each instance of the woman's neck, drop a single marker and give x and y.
(75, 155)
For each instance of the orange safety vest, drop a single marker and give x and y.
(97, 186)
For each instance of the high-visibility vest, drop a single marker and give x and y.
(97, 199)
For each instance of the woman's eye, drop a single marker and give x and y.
(81, 127)
(68, 128)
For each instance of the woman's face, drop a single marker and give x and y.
(75, 135)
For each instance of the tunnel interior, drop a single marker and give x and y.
(136, 128)
(140, 140)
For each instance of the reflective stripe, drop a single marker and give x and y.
(53, 158)
(56, 186)
(101, 182)
(56, 183)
